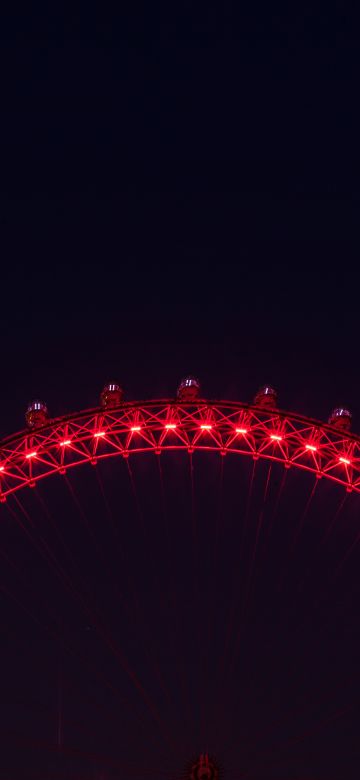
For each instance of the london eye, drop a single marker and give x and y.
(180, 583)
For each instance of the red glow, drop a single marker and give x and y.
(156, 421)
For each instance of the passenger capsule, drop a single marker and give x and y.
(266, 397)
(36, 414)
(189, 389)
(112, 395)
(341, 418)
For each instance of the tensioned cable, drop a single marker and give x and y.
(294, 711)
(327, 533)
(104, 634)
(110, 639)
(327, 586)
(277, 503)
(295, 740)
(55, 634)
(258, 529)
(211, 631)
(184, 687)
(196, 602)
(280, 582)
(92, 615)
(139, 618)
(94, 758)
(140, 516)
(332, 524)
(218, 514)
(247, 584)
(230, 625)
(136, 498)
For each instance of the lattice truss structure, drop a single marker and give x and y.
(156, 426)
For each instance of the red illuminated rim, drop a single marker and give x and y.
(157, 426)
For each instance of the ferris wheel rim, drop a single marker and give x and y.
(200, 402)
(30, 455)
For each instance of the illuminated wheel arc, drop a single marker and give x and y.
(156, 426)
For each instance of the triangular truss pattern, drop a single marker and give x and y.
(157, 426)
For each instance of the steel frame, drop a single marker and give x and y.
(155, 426)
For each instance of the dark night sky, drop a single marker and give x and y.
(179, 194)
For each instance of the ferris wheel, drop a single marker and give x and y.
(150, 571)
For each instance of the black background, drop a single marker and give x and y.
(180, 195)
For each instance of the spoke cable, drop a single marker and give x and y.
(102, 632)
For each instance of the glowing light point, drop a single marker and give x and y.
(170, 426)
(99, 434)
(31, 455)
(1, 468)
(345, 460)
(310, 447)
(135, 428)
(275, 437)
(65, 442)
(241, 430)
(206, 427)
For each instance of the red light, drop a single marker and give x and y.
(206, 427)
(241, 430)
(31, 455)
(345, 460)
(64, 443)
(275, 437)
(170, 426)
(135, 428)
(311, 447)
(1, 468)
(98, 434)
